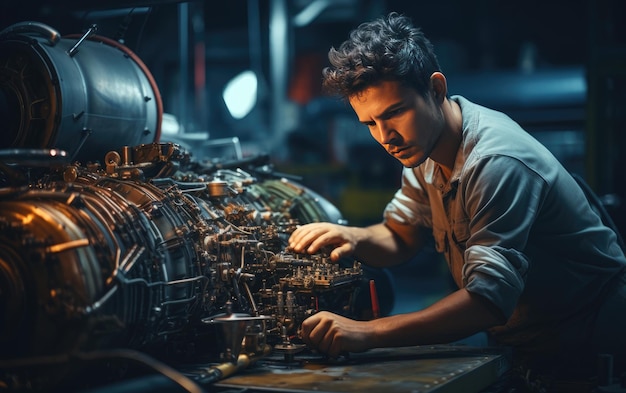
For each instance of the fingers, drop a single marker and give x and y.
(339, 252)
(313, 331)
(321, 333)
(311, 238)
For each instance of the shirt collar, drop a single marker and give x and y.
(432, 173)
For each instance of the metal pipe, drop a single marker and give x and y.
(279, 58)
(183, 45)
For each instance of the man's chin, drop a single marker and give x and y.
(411, 162)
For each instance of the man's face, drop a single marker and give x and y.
(402, 121)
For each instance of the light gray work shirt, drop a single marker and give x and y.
(515, 228)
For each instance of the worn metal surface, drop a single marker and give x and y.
(411, 369)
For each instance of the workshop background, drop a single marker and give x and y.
(556, 66)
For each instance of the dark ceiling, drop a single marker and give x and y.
(492, 31)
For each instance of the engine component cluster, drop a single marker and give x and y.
(114, 240)
(142, 251)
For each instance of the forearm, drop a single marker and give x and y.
(457, 316)
(454, 317)
(378, 246)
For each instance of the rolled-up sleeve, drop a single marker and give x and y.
(483, 226)
(502, 197)
(496, 274)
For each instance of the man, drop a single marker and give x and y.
(534, 264)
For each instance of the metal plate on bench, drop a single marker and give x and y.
(409, 369)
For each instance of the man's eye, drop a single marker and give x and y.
(394, 112)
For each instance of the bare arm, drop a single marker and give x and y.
(454, 317)
(378, 245)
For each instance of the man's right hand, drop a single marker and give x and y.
(310, 238)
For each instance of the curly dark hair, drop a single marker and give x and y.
(388, 48)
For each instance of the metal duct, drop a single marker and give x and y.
(86, 94)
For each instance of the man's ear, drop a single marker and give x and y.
(439, 86)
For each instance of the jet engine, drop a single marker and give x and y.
(150, 250)
(139, 246)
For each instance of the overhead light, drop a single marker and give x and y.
(240, 94)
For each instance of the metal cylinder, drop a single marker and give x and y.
(86, 99)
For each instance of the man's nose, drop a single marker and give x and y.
(386, 132)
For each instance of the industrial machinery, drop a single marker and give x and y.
(144, 254)
(110, 238)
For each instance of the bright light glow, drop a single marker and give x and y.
(310, 12)
(27, 219)
(240, 94)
